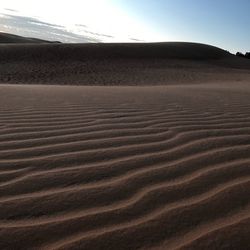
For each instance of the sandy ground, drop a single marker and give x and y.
(125, 167)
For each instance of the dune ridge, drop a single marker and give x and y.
(125, 167)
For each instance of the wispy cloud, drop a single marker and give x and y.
(33, 27)
(11, 10)
(136, 40)
(84, 29)
(81, 25)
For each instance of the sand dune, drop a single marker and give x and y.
(119, 64)
(93, 167)
(123, 167)
(10, 38)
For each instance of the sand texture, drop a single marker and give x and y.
(88, 167)
(161, 164)
(119, 64)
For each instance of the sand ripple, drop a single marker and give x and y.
(125, 168)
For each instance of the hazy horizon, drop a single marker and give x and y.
(219, 23)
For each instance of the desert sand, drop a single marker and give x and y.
(119, 64)
(124, 167)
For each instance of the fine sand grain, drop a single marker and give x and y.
(88, 167)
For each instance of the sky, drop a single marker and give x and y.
(222, 23)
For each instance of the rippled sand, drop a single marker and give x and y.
(125, 167)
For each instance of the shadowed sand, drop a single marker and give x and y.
(119, 64)
(87, 167)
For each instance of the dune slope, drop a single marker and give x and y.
(125, 167)
(119, 64)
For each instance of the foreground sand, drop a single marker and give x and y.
(125, 167)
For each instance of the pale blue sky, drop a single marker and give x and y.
(223, 23)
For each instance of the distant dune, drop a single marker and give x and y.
(119, 64)
(176, 50)
(10, 38)
(125, 167)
